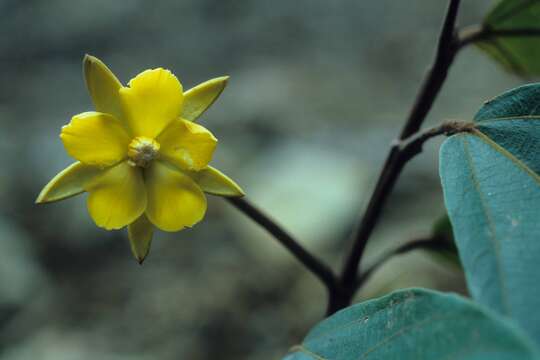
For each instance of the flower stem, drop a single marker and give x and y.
(313, 264)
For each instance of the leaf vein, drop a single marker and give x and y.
(490, 223)
(510, 118)
(507, 154)
(301, 348)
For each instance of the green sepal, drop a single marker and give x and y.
(140, 235)
(69, 182)
(201, 97)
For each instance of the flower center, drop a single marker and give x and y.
(142, 150)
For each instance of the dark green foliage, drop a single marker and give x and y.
(518, 54)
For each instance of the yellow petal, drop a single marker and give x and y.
(187, 145)
(117, 197)
(69, 182)
(103, 86)
(140, 235)
(174, 200)
(213, 181)
(95, 138)
(153, 99)
(200, 97)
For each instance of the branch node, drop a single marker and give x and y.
(452, 127)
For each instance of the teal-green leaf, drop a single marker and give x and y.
(492, 194)
(415, 324)
(520, 55)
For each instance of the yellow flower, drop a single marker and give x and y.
(141, 156)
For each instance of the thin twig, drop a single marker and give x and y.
(432, 243)
(475, 33)
(446, 51)
(316, 266)
(412, 146)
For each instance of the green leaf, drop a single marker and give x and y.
(492, 192)
(415, 324)
(518, 54)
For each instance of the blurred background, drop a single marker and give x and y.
(318, 91)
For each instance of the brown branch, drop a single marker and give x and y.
(316, 266)
(397, 158)
(447, 49)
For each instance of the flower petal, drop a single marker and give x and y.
(68, 182)
(213, 181)
(103, 86)
(200, 97)
(95, 138)
(153, 99)
(174, 200)
(140, 234)
(117, 197)
(187, 145)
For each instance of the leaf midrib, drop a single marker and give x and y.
(509, 118)
(520, 164)
(491, 225)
